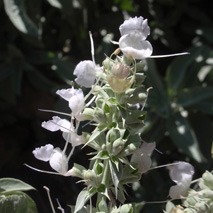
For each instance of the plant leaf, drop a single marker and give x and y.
(183, 136)
(194, 95)
(83, 197)
(55, 3)
(157, 96)
(18, 16)
(9, 185)
(176, 71)
(18, 203)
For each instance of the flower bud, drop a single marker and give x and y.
(108, 63)
(90, 177)
(117, 146)
(77, 170)
(201, 206)
(120, 71)
(119, 85)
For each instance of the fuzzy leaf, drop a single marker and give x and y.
(10, 185)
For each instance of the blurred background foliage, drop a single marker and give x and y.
(41, 41)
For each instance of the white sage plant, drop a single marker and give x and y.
(115, 107)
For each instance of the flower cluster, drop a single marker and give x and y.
(118, 95)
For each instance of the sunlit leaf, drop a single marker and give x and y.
(55, 3)
(83, 197)
(9, 185)
(16, 11)
(18, 203)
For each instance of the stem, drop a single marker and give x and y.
(50, 200)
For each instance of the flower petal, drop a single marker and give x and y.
(181, 174)
(132, 45)
(59, 162)
(136, 24)
(181, 171)
(44, 152)
(76, 102)
(86, 73)
(73, 138)
(57, 124)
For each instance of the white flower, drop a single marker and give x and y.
(86, 73)
(133, 46)
(133, 42)
(57, 159)
(75, 97)
(66, 127)
(142, 156)
(44, 153)
(137, 24)
(181, 174)
(73, 138)
(57, 124)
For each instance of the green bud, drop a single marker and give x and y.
(201, 207)
(90, 177)
(206, 181)
(99, 115)
(117, 146)
(190, 201)
(78, 170)
(89, 113)
(190, 210)
(207, 193)
(108, 63)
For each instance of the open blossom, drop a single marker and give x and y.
(181, 174)
(75, 97)
(132, 45)
(86, 73)
(66, 127)
(57, 159)
(142, 156)
(133, 41)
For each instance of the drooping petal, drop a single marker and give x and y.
(77, 103)
(73, 138)
(66, 93)
(181, 174)
(57, 124)
(59, 162)
(133, 46)
(86, 73)
(44, 152)
(136, 24)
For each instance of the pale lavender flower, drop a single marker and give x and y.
(142, 156)
(181, 174)
(86, 73)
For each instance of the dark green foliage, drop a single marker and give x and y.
(41, 41)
